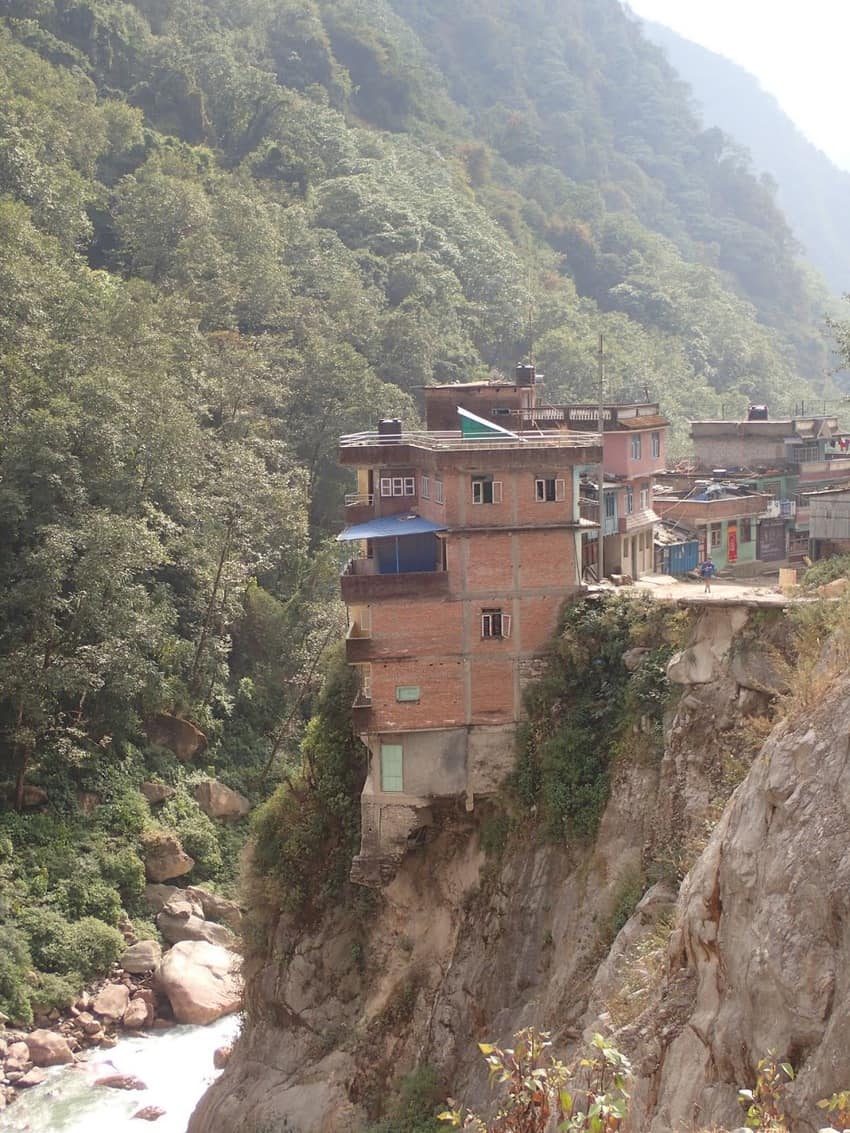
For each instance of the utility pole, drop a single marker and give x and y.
(600, 559)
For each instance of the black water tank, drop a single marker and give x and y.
(524, 375)
(389, 427)
(757, 413)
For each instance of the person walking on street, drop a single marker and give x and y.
(707, 571)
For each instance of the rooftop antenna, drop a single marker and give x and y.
(600, 538)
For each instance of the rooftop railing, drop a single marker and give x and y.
(447, 440)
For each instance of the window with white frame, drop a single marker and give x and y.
(644, 499)
(398, 485)
(550, 490)
(714, 538)
(425, 487)
(438, 491)
(656, 444)
(495, 624)
(630, 500)
(610, 505)
(636, 447)
(486, 490)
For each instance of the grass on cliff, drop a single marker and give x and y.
(588, 708)
(305, 835)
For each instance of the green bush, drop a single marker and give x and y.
(87, 946)
(196, 831)
(124, 868)
(88, 895)
(827, 570)
(413, 1104)
(54, 991)
(15, 967)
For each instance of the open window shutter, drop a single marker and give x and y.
(506, 625)
(560, 490)
(497, 491)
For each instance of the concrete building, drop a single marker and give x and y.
(829, 521)
(730, 522)
(470, 539)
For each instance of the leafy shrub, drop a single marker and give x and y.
(196, 831)
(15, 967)
(413, 1105)
(305, 835)
(127, 814)
(87, 947)
(88, 895)
(54, 991)
(125, 869)
(827, 570)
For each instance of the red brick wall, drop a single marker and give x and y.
(493, 687)
(417, 628)
(441, 685)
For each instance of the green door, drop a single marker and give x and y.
(392, 768)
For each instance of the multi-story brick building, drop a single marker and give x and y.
(470, 541)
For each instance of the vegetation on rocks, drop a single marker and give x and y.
(589, 708)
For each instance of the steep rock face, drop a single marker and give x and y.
(462, 948)
(762, 955)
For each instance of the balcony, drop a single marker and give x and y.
(784, 509)
(361, 582)
(361, 713)
(588, 509)
(358, 644)
(359, 507)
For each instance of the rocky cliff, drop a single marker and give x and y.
(463, 947)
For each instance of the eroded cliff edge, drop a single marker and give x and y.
(463, 946)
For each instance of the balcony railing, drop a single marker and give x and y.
(455, 440)
(360, 582)
(360, 499)
(588, 509)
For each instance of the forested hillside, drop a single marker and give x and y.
(813, 192)
(230, 232)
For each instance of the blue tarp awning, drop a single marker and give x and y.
(390, 527)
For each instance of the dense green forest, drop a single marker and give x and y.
(229, 233)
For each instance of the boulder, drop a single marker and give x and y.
(201, 981)
(149, 1113)
(165, 858)
(156, 793)
(179, 736)
(217, 908)
(46, 1048)
(181, 918)
(221, 1056)
(632, 658)
(19, 1051)
(156, 895)
(136, 1014)
(141, 957)
(833, 589)
(218, 801)
(34, 796)
(755, 669)
(121, 1082)
(32, 1077)
(111, 1002)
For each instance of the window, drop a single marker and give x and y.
(610, 505)
(630, 500)
(425, 487)
(644, 499)
(636, 447)
(392, 767)
(398, 485)
(745, 529)
(501, 411)
(438, 491)
(495, 624)
(404, 694)
(656, 444)
(549, 490)
(486, 490)
(805, 453)
(716, 532)
(364, 675)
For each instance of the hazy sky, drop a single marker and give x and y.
(797, 51)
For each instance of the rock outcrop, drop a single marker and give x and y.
(165, 858)
(201, 981)
(218, 801)
(181, 918)
(180, 736)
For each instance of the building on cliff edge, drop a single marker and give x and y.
(470, 537)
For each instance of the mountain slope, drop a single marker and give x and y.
(813, 193)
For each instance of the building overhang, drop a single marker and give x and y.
(390, 527)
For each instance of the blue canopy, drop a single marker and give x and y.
(390, 527)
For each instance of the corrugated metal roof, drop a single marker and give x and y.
(390, 527)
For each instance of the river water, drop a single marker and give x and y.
(175, 1065)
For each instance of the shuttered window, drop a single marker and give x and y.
(392, 767)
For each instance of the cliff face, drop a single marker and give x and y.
(463, 948)
(760, 958)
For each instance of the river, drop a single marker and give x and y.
(176, 1066)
